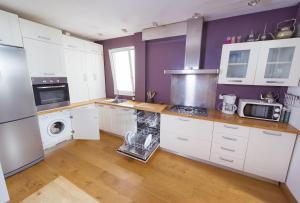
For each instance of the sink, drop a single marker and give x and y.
(116, 101)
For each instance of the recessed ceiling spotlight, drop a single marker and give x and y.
(155, 24)
(253, 2)
(124, 30)
(196, 15)
(100, 34)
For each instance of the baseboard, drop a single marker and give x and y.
(288, 193)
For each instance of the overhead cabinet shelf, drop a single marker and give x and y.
(269, 63)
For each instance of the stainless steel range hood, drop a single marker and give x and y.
(193, 50)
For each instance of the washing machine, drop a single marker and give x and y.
(55, 128)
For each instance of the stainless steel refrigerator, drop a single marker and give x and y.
(20, 140)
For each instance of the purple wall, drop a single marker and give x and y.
(169, 53)
(154, 56)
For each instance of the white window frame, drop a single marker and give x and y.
(116, 91)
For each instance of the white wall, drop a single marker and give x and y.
(293, 179)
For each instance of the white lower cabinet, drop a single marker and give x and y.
(117, 120)
(269, 153)
(85, 123)
(3, 190)
(186, 136)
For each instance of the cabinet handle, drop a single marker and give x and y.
(274, 134)
(182, 139)
(274, 82)
(43, 37)
(49, 73)
(229, 138)
(231, 127)
(227, 160)
(71, 46)
(235, 80)
(181, 119)
(227, 149)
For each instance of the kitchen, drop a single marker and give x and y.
(207, 99)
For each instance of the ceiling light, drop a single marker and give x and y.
(100, 34)
(196, 15)
(253, 2)
(155, 24)
(124, 30)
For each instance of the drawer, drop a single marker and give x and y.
(198, 129)
(231, 129)
(229, 140)
(228, 161)
(229, 150)
(40, 32)
(73, 43)
(186, 144)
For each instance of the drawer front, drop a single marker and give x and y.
(187, 145)
(231, 129)
(40, 32)
(229, 150)
(190, 128)
(228, 161)
(229, 140)
(73, 43)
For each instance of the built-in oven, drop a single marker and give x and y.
(50, 92)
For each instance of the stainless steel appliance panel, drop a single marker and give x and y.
(194, 90)
(16, 97)
(21, 144)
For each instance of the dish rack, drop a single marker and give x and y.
(147, 123)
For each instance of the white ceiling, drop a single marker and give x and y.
(87, 18)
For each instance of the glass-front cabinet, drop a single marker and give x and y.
(271, 63)
(279, 63)
(238, 63)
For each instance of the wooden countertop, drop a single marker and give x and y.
(213, 115)
(71, 106)
(217, 116)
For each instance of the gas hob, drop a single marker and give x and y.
(189, 110)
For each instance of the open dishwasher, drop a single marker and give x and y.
(143, 143)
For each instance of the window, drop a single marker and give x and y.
(122, 62)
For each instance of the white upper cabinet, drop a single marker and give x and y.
(279, 63)
(44, 59)
(269, 153)
(40, 32)
(272, 63)
(238, 63)
(75, 64)
(10, 29)
(85, 69)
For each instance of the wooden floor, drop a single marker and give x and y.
(95, 167)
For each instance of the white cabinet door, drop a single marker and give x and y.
(278, 63)
(85, 123)
(77, 77)
(105, 118)
(269, 153)
(10, 33)
(127, 120)
(44, 59)
(238, 63)
(96, 80)
(73, 43)
(3, 190)
(186, 136)
(40, 32)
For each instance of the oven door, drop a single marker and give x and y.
(260, 111)
(49, 96)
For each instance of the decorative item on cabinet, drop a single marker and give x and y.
(252, 37)
(265, 35)
(284, 30)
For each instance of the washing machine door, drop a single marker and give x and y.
(56, 128)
